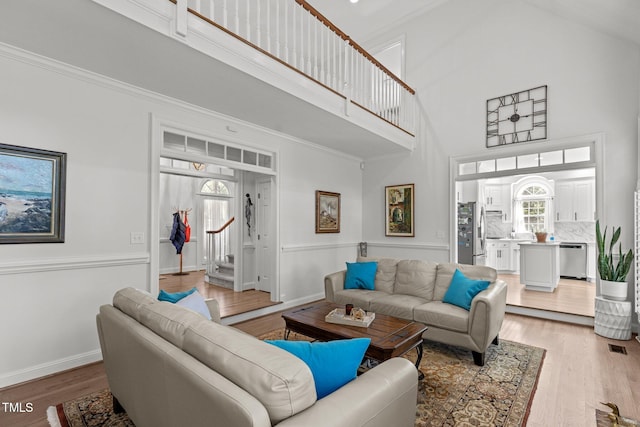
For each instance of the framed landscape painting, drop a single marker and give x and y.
(327, 212)
(32, 195)
(399, 208)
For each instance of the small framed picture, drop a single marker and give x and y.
(32, 195)
(327, 212)
(399, 208)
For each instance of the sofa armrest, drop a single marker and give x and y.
(332, 283)
(214, 309)
(487, 313)
(383, 396)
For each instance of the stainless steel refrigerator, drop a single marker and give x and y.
(471, 234)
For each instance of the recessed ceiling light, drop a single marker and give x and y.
(353, 1)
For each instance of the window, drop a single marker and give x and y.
(533, 205)
(215, 186)
(534, 208)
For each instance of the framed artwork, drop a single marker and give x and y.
(327, 212)
(32, 195)
(517, 117)
(399, 209)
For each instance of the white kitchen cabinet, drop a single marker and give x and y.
(575, 200)
(499, 255)
(498, 197)
(515, 257)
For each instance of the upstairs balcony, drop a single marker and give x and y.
(279, 63)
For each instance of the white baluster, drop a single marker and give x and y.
(248, 20)
(278, 28)
(309, 43)
(237, 17)
(224, 14)
(286, 32)
(259, 27)
(268, 31)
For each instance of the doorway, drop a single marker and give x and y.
(527, 188)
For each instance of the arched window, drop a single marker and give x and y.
(215, 186)
(533, 205)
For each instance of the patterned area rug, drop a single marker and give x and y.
(454, 391)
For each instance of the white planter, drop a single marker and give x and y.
(616, 291)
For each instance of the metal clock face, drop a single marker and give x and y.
(518, 117)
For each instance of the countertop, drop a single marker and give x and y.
(540, 243)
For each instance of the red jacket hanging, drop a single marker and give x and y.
(187, 231)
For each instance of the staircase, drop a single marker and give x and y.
(223, 275)
(220, 265)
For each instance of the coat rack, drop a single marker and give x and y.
(180, 233)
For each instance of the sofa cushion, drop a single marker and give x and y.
(417, 278)
(397, 305)
(279, 380)
(333, 363)
(462, 290)
(443, 316)
(129, 300)
(386, 273)
(169, 320)
(358, 297)
(360, 275)
(445, 274)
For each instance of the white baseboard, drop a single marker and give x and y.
(271, 309)
(49, 368)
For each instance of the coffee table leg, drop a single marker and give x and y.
(419, 350)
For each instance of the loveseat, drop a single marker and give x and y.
(414, 290)
(170, 366)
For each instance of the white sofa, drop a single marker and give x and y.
(413, 290)
(169, 366)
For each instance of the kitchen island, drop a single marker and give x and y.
(539, 266)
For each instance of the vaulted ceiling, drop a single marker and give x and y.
(362, 20)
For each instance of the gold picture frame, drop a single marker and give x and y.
(327, 212)
(399, 210)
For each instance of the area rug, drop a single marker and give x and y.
(454, 391)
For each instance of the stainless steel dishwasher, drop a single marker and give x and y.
(573, 260)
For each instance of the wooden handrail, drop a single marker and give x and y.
(219, 230)
(353, 44)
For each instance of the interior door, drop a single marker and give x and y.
(264, 236)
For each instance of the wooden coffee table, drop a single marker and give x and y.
(390, 336)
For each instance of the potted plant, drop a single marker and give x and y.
(613, 276)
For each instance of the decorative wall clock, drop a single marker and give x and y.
(517, 117)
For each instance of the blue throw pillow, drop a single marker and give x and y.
(333, 363)
(360, 275)
(174, 297)
(462, 290)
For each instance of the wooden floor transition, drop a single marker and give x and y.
(571, 296)
(579, 372)
(231, 303)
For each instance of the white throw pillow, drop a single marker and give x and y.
(195, 302)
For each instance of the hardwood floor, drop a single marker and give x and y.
(571, 296)
(231, 303)
(578, 373)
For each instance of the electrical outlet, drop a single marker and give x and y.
(137, 238)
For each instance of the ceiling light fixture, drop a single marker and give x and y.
(353, 1)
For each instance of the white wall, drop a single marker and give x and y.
(53, 291)
(465, 52)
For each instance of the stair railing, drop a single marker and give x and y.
(217, 246)
(295, 34)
